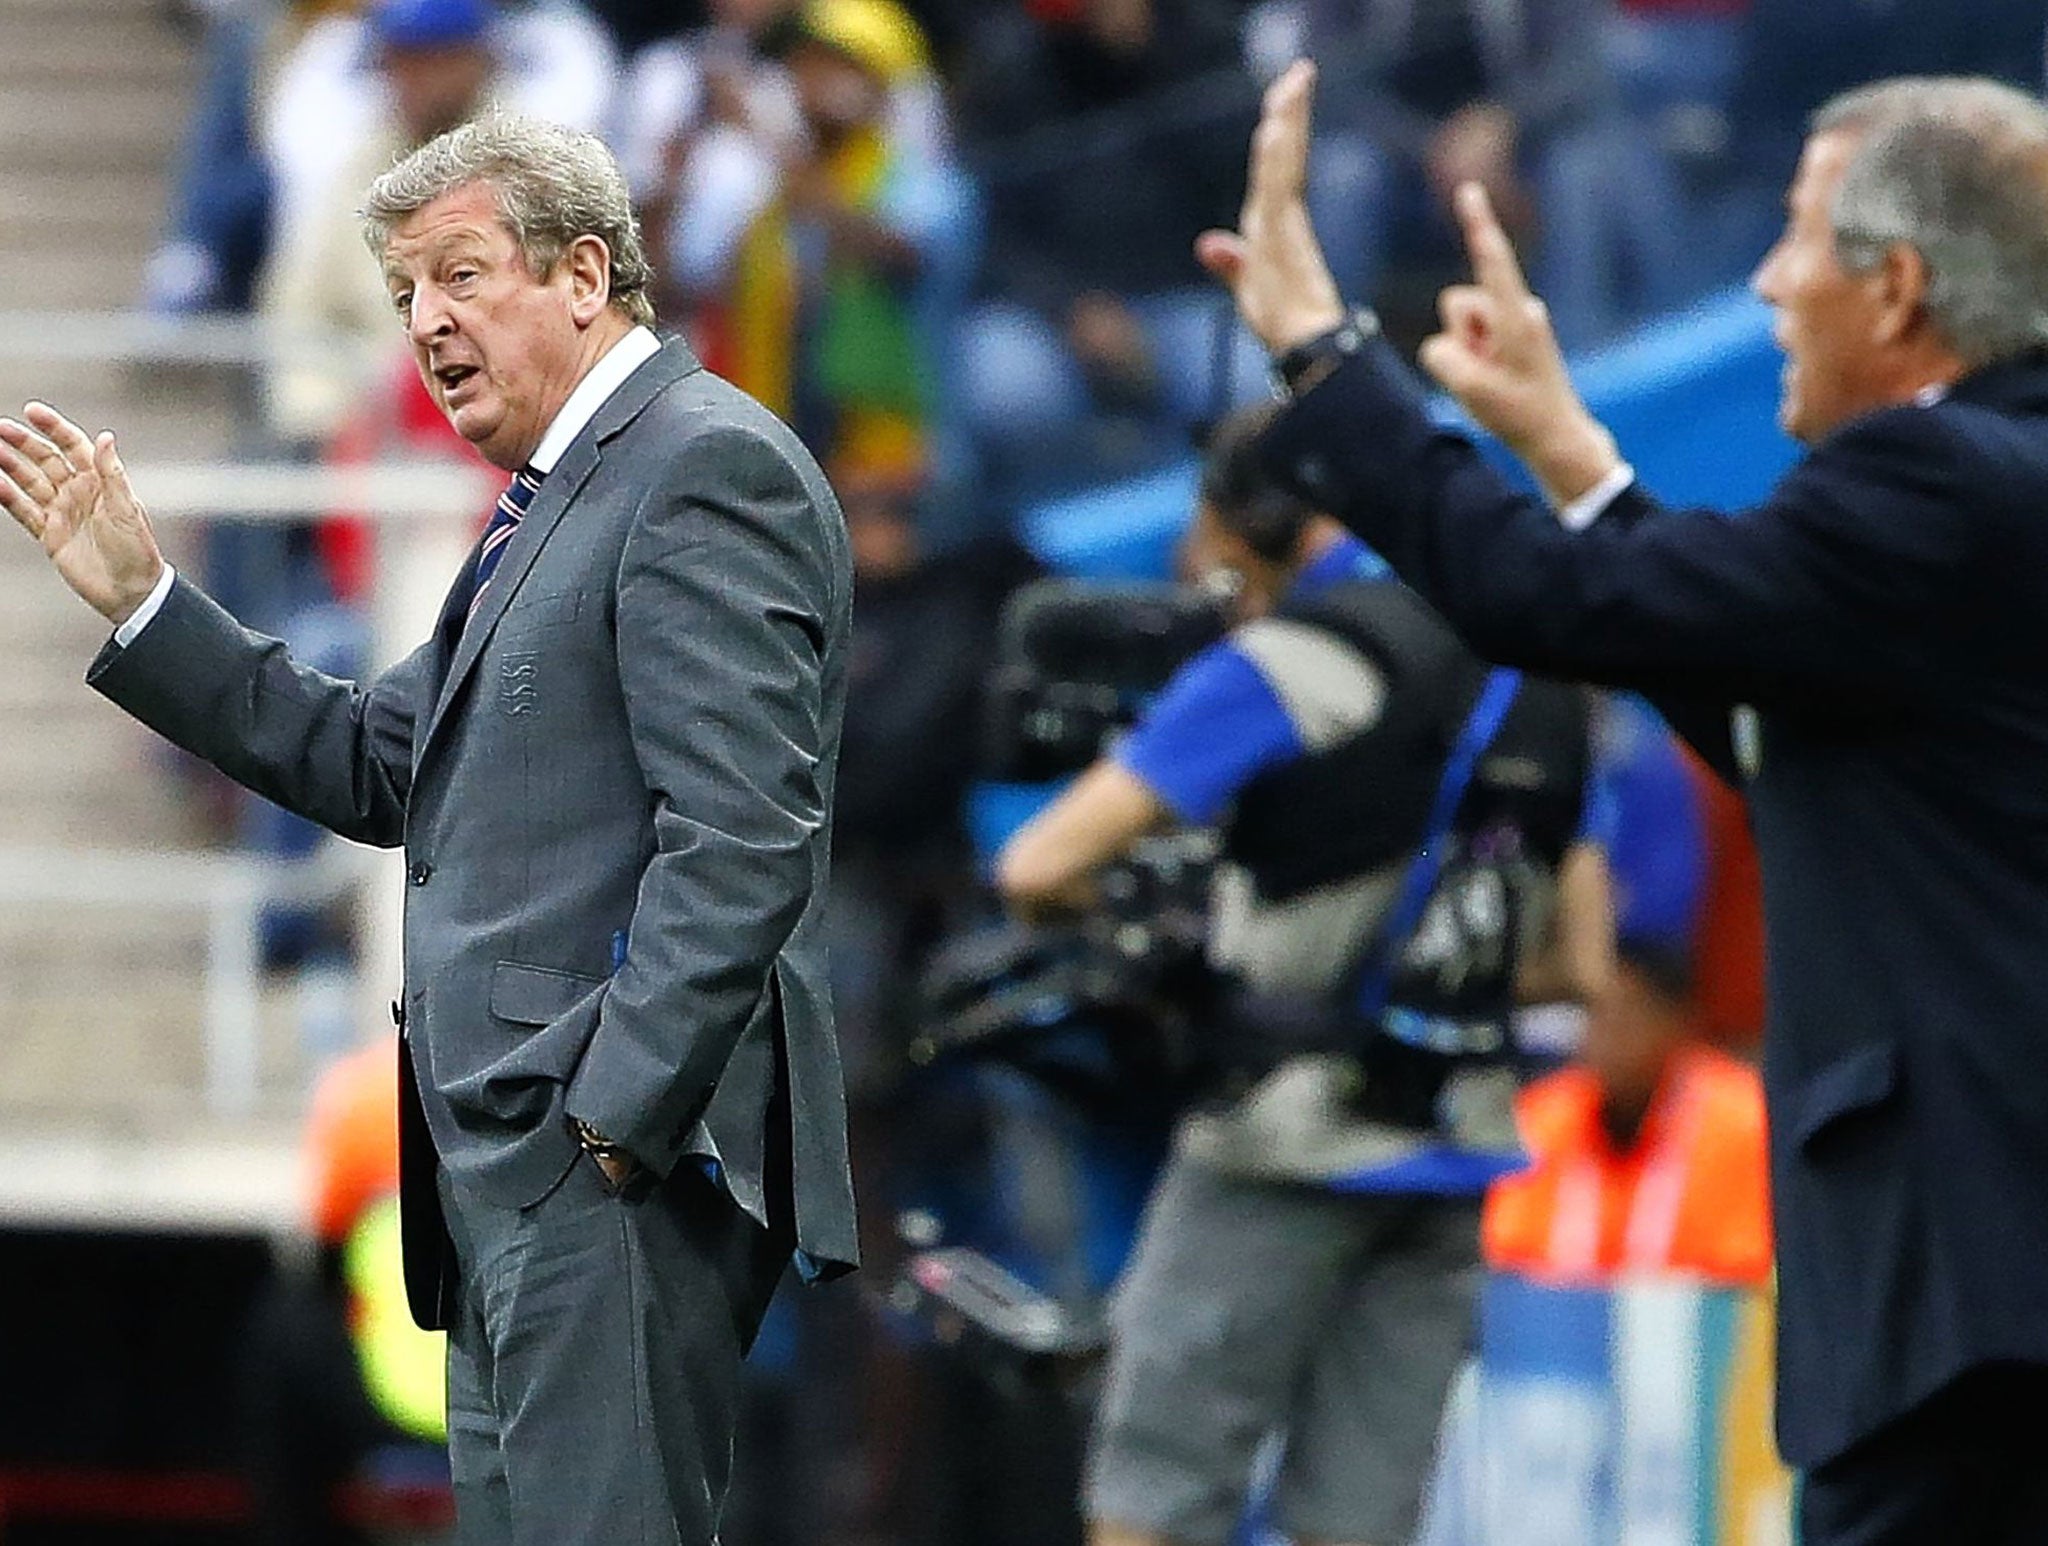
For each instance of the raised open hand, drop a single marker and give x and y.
(1272, 263)
(1499, 358)
(72, 495)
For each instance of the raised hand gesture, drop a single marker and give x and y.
(1499, 358)
(1272, 263)
(72, 495)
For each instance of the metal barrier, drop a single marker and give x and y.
(230, 890)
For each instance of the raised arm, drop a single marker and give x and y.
(333, 752)
(1821, 594)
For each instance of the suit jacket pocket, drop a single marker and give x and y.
(542, 610)
(536, 995)
(1858, 1081)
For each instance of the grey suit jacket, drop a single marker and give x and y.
(613, 787)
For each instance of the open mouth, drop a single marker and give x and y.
(451, 377)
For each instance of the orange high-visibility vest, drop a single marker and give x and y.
(1691, 1196)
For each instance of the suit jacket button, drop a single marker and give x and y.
(420, 873)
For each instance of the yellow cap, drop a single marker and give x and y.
(878, 35)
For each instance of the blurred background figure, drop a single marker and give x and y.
(1647, 1156)
(809, 226)
(829, 296)
(1404, 856)
(1103, 130)
(437, 63)
(340, 1385)
(1421, 95)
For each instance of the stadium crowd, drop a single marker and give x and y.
(950, 242)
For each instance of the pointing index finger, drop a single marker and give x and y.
(1492, 254)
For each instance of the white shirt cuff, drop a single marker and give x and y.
(1591, 505)
(145, 614)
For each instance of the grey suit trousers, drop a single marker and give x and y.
(594, 1358)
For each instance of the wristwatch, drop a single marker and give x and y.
(1307, 363)
(595, 1144)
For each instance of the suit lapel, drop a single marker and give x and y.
(558, 490)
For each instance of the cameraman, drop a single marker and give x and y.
(1262, 1296)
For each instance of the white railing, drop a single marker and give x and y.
(231, 891)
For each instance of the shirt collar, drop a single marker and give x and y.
(598, 383)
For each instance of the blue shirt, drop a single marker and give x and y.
(1218, 724)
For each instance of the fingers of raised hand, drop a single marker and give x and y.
(1451, 362)
(106, 461)
(67, 437)
(1487, 244)
(27, 512)
(37, 449)
(1279, 171)
(1471, 316)
(24, 472)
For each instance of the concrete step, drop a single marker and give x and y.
(55, 125)
(93, 778)
(106, 47)
(58, 209)
(53, 13)
(91, 279)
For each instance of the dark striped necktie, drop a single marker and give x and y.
(512, 506)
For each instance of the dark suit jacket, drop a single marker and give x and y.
(613, 787)
(1884, 612)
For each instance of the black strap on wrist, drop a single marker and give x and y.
(594, 1143)
(1309, 362)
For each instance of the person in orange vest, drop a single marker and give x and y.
(1647, 1155)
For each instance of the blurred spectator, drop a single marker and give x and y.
(923, 640)
(1108, 133)
(1656, 839)
(836, 297)
(337, 1371)
(322, 292)
(705, 118)
(219, 223)
(638, 24)
(1420, 96)
(1307, 1258)
(1675, 64)
(1648, 1157)
(1799, 53)
(329, 97)
(903, 878)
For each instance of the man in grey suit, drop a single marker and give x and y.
(611, 770)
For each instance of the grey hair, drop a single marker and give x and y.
(553, 186)
(1957, 169)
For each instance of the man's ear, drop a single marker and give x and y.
(1901, 283)
(590, 278)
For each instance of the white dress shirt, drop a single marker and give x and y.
(592, 392)
(1591, 505)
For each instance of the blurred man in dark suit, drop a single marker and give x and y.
(1881, 616)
